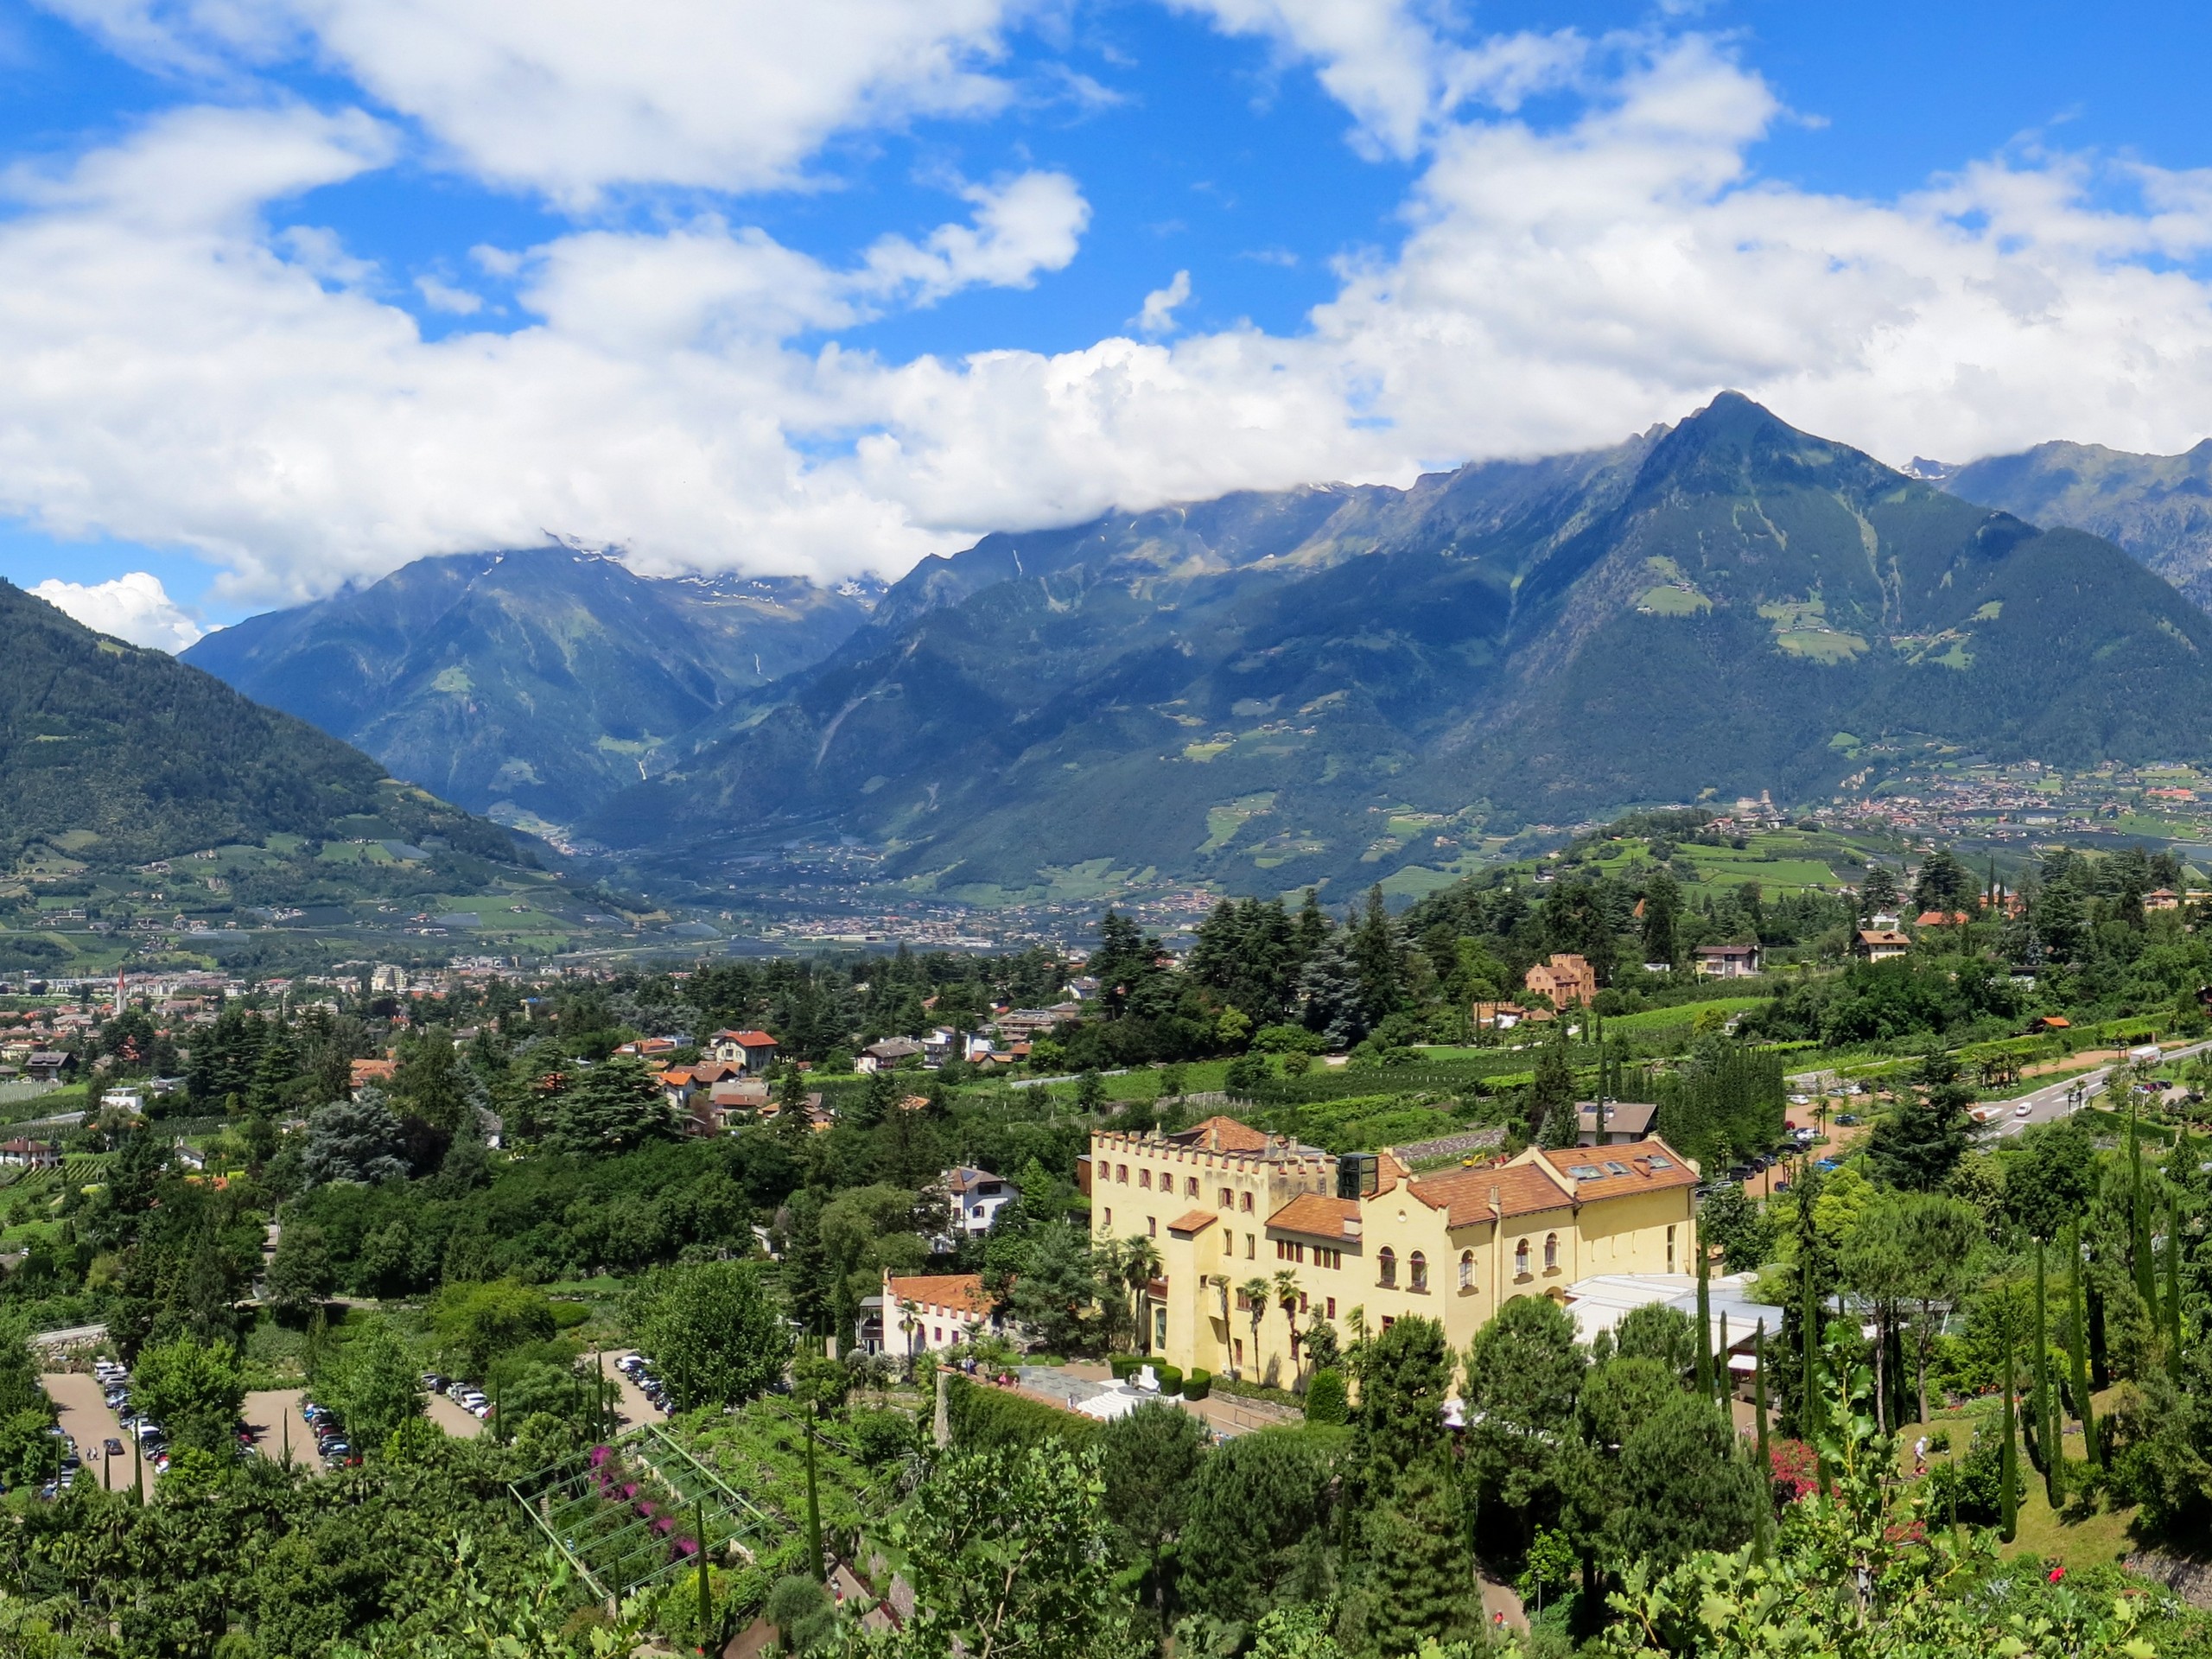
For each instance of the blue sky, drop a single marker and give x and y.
(299, 293)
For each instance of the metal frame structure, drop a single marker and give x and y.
(617, 1552)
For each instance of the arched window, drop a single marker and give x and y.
(1521, 1258)
(1466, 1269)
(1419, 1265)
(1144, 1177)
(1387, 1266)
(1551, 1252)
(1122, 1173)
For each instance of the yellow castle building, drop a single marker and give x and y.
(1226, 1205)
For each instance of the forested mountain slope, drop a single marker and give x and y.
(535, 683)
(1329, 684)
(2158, 507)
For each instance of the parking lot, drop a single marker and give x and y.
(82, 1413)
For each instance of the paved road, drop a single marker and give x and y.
(2053, 1101)
(82, 1410)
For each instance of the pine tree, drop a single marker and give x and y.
(1418, 1563)
(1917, 1146)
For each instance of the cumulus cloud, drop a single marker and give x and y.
(136, 608)
(1158, 314)
(569, 97)
(181, 375)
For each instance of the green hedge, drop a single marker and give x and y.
(985, 1418)
(1170, 1379)
(1124, 1366)
(1198, 1385)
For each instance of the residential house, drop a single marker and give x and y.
(755, 1050)
(975, 1197)
(819, 1116)
(1566, 978)
(1727, 960)
(44, 1066)
(1504, 1016)
(20, 1154)
(1613, 1122)
(888, 1055)
(929, 1313)
(1017, 1024)
(1940, 918)
(363, 1073)
(2162, 898)
(1879, 943)
(1229, 1205)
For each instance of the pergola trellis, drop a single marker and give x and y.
(631, 1512)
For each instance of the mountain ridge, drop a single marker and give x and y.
(528, 683)
(1264, 691)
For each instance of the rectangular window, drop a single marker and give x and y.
(1190, 1187)
(1248, 1204)
(1389, 1320)
(1122, 1173)
(1251, 1248)
(1152, 1225)
(1670, 1249)
(1228, 1199)
(1144, 1177)
(1298, 1254)
(1109, 1216)
(1333, 1307)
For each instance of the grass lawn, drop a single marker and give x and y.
(2080, 1533)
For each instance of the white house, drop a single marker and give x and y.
(929, 1313)
(753, 1050)
(975, 1197)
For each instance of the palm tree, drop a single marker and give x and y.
(1255, 1291)
(1287, 1294)
(1140, 1266)
(910, 1320)
(1106, 1266)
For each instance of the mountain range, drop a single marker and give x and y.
(2158, 507)
(1327, 685)
(531, 683)
(143, 803)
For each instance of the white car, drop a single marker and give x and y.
(2021, 1111)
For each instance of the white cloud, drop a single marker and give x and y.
(1158, 317)
(179, 376)
(444, 296)
(136, 608)
(569, 97)
(1028, 224)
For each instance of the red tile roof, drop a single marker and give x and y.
(961, 1291)
(1317, 1217)
(1652, 1166)
(1464, 1194)
(1223, 1135)
(1196, 1222)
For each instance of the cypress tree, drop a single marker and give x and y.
(2139, 1211)
(2047, 1445)
(2077, 1323)
(2008, 1526)
(1766, 1461)
(1704, 1321)
(1721, 1363)
(2173, 1291)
